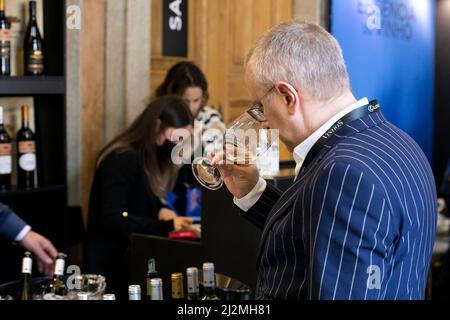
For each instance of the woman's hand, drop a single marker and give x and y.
(181, 223)
(166, 214)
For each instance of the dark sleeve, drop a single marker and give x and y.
(259, 212)
(117, 176)
(10, 223)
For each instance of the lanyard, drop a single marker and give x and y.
(363, 111)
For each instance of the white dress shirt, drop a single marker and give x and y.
(22, 233)
(300, 153)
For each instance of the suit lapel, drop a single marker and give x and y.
(282, 207)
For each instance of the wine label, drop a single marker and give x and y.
(27, 147)
(27, 162)
(5, 35)
(36, 62)
(5, 164)
(59, 267)
(5, 149)
(26, 265)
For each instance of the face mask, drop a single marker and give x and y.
(165, 150)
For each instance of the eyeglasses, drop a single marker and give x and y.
(257, 110)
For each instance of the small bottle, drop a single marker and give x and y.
(151, 274)
(109, 296)
(209, 282)
(177, 286)
(157, 293)
(134, 292)
(5, 155)
(192, 284)
(57, 287)
(27, 263)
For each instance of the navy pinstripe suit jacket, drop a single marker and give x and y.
(358, 223)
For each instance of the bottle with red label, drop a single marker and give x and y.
(5, 155)
(26, 152)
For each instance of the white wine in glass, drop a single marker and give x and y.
(246, 139)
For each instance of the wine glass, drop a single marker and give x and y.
(246, 139)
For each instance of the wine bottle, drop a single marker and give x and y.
(151, 274)
(5, 42)
(33, 45)
(192, 284)
(177, 286)
(134, 292)
(57, 288)
(209, 282)
(5, 155)
(157, 293)
(26, 152)
(27, 262)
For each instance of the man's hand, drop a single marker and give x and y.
(240, 179)
(166, 214)
(43, 250)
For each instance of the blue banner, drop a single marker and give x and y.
(389, 48)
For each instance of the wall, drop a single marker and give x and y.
(93, 87)
(314, 11)
(108, 63)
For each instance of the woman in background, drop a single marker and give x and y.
(186, 80)
(133, 176)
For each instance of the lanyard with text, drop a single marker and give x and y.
(363, 111)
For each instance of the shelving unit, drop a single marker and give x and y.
(44, 207)
(26, 85)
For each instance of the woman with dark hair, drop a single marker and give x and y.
(133, 176)
(186, 80)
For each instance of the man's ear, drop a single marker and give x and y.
(289, 95)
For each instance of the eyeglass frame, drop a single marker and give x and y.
(256, 111)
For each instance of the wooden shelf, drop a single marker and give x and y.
(14, 191)
(28, 85)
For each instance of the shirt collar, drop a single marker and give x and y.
(301, 151)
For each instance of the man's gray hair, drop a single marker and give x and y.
(302, 54)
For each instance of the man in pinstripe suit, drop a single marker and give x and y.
(359, 220)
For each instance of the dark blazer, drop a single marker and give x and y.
(120, 185)
(358, 223)
(10, 223)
